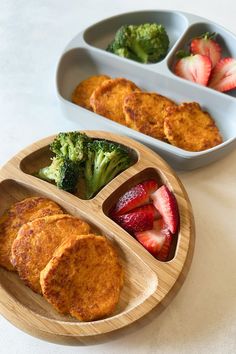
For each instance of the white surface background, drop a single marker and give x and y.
(202, 317)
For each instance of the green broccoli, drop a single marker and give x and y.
(70, 145)
(105, 161)
(63, 172)
(147, 43)
(79, 158)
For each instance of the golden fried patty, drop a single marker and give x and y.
(36, 242)
(84, 90)
(190, 128)
(107, 100)
(17, 215)
(84, 278)
(145, 113)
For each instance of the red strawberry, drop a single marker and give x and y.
(139, 219)
(206, 45)
(165, 249)
(196, 68)
(135, 197)
(223, 76)
(166, 204)
(153, 240)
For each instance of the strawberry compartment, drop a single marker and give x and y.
(224, 38)
(140, 282)
(139, 214)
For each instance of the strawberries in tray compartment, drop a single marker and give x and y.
(150, 214)
(204, 64)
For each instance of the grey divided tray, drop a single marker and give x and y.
(85, 56)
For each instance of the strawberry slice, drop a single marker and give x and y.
(165, 249)
(223, 76)
(206, 45)
(139, 219)
(135, 197)
(196, 68)
(153, 240)
(166, 204)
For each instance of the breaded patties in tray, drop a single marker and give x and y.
(82, 93)
(145, 112)
(107, 100)
(189, 127)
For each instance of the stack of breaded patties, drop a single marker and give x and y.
(58, 256)
(186, 125)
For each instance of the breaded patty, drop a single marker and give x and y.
(17, 215)
(84, 278)
(190, 128)
(84, 90)
(145, 112)
(107, 100)
(36, 242)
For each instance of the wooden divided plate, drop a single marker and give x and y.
(148, 282)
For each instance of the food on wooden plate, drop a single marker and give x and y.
(17, 215)
(83, 165)
(107, 100)
(145, 43)
(190, 128)
(150, 214)
(205, 65)
(145, 112)
(156, 240)
(82, 93)
(135, 197)
(84, 278)
(165, 202)
(36, 242)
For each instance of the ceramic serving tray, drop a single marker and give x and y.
(85, 55)
(148, 282)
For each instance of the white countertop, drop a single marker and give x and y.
(202, 317)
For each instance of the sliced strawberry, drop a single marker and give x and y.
(166, 204)
(139, 219)
(135, 197)
(153, 240)
(165, 249)
(196, 68)
(206, 45)
(223, 76)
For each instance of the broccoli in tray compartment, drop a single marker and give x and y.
(146, 43)
(83, 165)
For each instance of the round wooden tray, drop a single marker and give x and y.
(148, 282)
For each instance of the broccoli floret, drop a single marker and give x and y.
(105, 161)
(147, 43)
(63, 172)
(70, 145)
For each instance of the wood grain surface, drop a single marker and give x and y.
(149, 283)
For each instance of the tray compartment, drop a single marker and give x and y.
(140, 281)
(148, 173)
(226, 40)
(102, 33)
(42, 157)
(80, 63)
